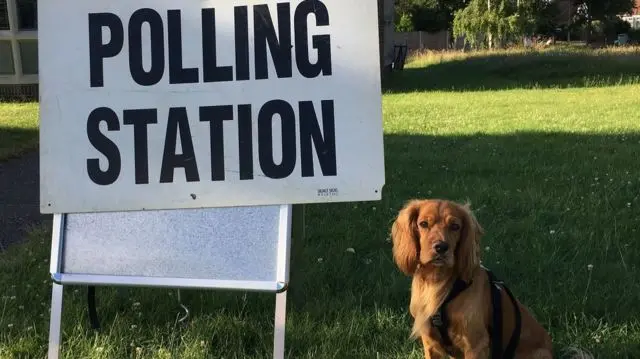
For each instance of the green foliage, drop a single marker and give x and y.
(508, 19)
(546, 15)
(599, 17)
(610, 29)
(619, 26)
(597, 27)
(603, 10)
(427, 15)
(493, 23)
(486, 22)
(634, 35)
(471, 22)
(404, 23)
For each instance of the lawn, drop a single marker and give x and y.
(18, 128)
(548, 169)
(556, 67)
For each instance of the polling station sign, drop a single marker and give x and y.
(166, 104)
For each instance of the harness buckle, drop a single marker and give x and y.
(436, 320)
(498, 283)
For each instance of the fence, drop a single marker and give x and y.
(422, 40)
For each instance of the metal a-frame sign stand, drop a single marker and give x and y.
(290, 224)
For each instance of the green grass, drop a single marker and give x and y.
(551, 172)
(18, 128)
(555, 67)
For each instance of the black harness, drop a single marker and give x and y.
(440, 321)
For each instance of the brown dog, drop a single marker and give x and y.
(437, 243)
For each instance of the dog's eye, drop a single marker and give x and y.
(424, 224)
(455, 227)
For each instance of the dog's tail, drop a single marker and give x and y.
(574, 352)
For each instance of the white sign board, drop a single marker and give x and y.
(159, 104)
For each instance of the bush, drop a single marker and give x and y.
(619, 26)
(634, 35)
(404, 23)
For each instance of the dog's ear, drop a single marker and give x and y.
(404, 234)
(468, 250)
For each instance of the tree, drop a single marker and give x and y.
(488, 22)
(427, 15)
(494, 23)
(602, 12)
(546, 16)
(404, 23)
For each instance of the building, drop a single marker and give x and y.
(636, 9)
(634, 18)
(18, 47)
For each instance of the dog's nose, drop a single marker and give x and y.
(441, 247)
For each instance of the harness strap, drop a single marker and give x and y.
(496, 332)
(496, 325)
(440, 320)
(510, 351)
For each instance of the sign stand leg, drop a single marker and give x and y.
(55, 325)
(280, 325)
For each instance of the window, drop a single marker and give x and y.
(29, 57)
(18, 42)
(6, 58)
(4, 15)
(27, 14)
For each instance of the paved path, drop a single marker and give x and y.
(19, 198)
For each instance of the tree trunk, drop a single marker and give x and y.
(569, 22)
(489, 34)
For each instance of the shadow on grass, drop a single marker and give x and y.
(518, 71)
(16, 141)
(19, 184)
(551, 204)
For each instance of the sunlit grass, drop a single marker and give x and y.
(518, 68)
(428, 57)
(18, 128)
